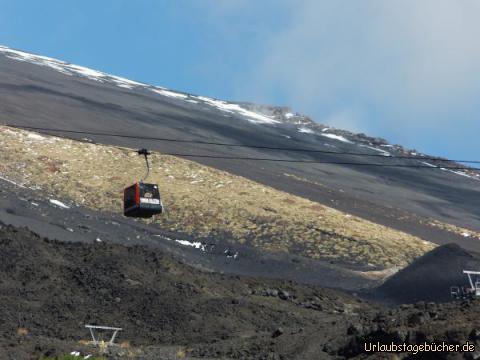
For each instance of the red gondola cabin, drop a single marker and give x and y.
(142, 200)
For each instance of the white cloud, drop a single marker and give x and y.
(368, 64)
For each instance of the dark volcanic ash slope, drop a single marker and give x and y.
(39, 91)
(52, 289)
(430, 277)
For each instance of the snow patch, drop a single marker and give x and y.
(383, 152)
(170, 94)
(90, 73)
(305, 130)
(195, 244)
(337, 137)
(251, 116)
(12, 182)
(84, 72)
(461, 173)
(70, 69)
(126, 83)
(59, 203)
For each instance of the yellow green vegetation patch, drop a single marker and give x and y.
(202, 201)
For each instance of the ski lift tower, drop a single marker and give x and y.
(464, 293)
(474, 280)
(96, 339)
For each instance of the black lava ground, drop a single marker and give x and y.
(53, 289)
(50, 289)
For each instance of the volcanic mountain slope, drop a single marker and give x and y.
(205, 203)
(427, 202)
(52, 218)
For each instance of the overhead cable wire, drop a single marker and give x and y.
(319, 162)
(428, 166)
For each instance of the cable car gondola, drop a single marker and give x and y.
(142, 200)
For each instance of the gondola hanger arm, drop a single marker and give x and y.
(145, 153)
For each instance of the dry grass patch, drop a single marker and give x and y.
(455, 229)
(202, 201)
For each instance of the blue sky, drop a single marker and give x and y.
(405, 70)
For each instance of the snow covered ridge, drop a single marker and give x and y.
(69, 69)
(253, 113)
(235, 108)
(80, 71)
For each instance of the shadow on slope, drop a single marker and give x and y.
(430, 277)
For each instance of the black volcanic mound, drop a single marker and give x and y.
(430, 277)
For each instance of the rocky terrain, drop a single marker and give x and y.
(50, 289)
